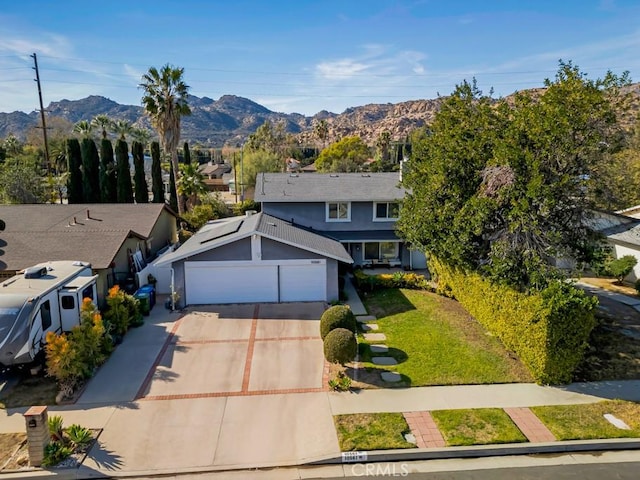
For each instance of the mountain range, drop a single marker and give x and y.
(231, 119)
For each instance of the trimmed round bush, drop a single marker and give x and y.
(340, 346)
(338, 316)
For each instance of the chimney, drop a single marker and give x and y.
(250, 213)
(75, 222)
(88, 214)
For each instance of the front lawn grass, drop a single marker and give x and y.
(584, 422)
(29, 391)
(479, 426)
(436, 342)
(371, 431)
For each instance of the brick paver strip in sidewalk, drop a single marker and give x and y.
(530, 425)
(424, 429)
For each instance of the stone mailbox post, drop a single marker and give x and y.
(37, 423)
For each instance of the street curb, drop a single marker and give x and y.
(477, 451)
(376, 456)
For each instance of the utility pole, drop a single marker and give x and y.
(42, 116)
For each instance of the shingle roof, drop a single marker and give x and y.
(228, 230)
(42, 233)
(322, 187)
(629, 233)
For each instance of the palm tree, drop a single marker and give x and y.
(84, 128)
(122, 128)
(165, 102)
(141, 135)
(102, 122)
(191, 183)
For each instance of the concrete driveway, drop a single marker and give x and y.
(231, 386)
(236, 350)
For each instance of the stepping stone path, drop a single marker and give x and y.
(384, 361)
(379, 349)
(375, 337)
(369, 326)
(364, 320)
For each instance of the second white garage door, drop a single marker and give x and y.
(253, 282)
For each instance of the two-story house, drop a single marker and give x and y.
(359, 210)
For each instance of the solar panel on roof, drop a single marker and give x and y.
(224, 230)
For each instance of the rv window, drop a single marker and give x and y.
(88, 293)
(68, 302)
(45, 315)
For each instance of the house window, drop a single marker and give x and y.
(386, 211)
(338, 212)
(382, 251)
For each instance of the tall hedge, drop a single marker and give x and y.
(156, 174)
(548, 330)
(108, 181)
(125, 188)
(139, 178)
(90, 171)
(74, 181)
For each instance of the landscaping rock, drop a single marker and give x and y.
(370, 326)
(379, 349)
(410, 437)
(391, 377)
(384, 361)
(375, 337)
(365, 318)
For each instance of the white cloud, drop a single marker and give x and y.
(340, 69)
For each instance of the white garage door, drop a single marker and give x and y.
(303, 283)
(245, 282)
(230, 284)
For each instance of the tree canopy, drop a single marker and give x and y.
(346, 155)
(505, 189)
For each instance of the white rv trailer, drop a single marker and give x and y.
(44, 298)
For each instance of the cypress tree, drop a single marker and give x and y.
(156, 174)
(187, 154)
(173, 194)
(74, 182)
(108, 182)
(125, 189)
(141, 189)
(90, 171)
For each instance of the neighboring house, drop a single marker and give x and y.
(255, 258)
(214, 171)
(357, 209)
(106, 235)
(622, 231)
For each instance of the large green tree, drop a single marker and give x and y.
(346, 155)
(191, 183)
(21, 181)
(505, 189)
(258, 161)
(165, 102)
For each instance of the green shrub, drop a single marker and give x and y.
(337, 316)
(548, 330)
(621, 267)
(410, 280)
(340, 346)
(78, 436)
(54, 453)
(123, 311)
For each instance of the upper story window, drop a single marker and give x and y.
(338, 212)
(386, 211)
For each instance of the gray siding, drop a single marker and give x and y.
(313, 215)
(272, 250)
(240, 250)
(332, 280)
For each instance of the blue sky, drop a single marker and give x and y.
(306, 56)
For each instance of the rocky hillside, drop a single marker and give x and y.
(230, 119)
